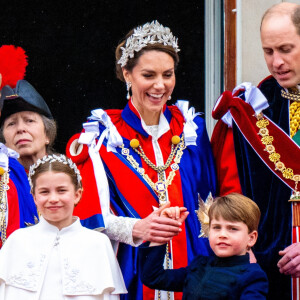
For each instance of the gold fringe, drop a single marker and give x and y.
(296, 214)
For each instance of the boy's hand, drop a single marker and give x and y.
(175, 213)
(155, 228)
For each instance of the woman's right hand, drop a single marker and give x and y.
(156, 228)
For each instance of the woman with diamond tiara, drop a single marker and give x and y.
(138, 158)
(58, 258)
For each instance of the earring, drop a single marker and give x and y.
(128, 86)
(170, 97)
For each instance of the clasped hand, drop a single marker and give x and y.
(161, 225)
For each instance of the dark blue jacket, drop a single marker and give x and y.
(206, 277)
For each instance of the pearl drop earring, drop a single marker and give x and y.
(128, 86)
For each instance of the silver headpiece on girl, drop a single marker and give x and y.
(52, 158)
(149, 33)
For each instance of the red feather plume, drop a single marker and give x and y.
(13, 63)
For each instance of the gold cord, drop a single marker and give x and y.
(294, 118)
(3, 204)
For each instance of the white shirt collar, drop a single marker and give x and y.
(163, 124)
(49, 227)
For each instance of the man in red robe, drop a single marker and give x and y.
(256, 145)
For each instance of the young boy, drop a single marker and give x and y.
(233, 224)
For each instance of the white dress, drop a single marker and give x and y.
(42, 262)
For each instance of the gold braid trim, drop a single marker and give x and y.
(294, 118)
(291, 95)
(3, 203)
(274, 157)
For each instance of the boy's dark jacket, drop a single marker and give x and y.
(206, 277)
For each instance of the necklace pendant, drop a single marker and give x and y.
(160, 186)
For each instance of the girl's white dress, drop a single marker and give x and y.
(42, 262)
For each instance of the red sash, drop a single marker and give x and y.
(244, 117)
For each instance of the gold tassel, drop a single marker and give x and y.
(296, 214)
(296, 208)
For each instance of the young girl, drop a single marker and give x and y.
(58, 258)
(233, 222)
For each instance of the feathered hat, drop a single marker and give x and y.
(13, 63)
(24, 97)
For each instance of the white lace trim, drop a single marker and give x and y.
(29, 277)
(73, 283)
(120, 229)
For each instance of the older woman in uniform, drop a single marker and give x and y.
(17, 208)
(26, 123)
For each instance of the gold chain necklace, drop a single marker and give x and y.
(293, 94)
(3, 202)
(274, 157)
(294, 118)
(161, 186)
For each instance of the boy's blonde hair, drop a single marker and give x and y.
(235, 207)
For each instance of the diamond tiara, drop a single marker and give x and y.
(52, 158)
(149, 33)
